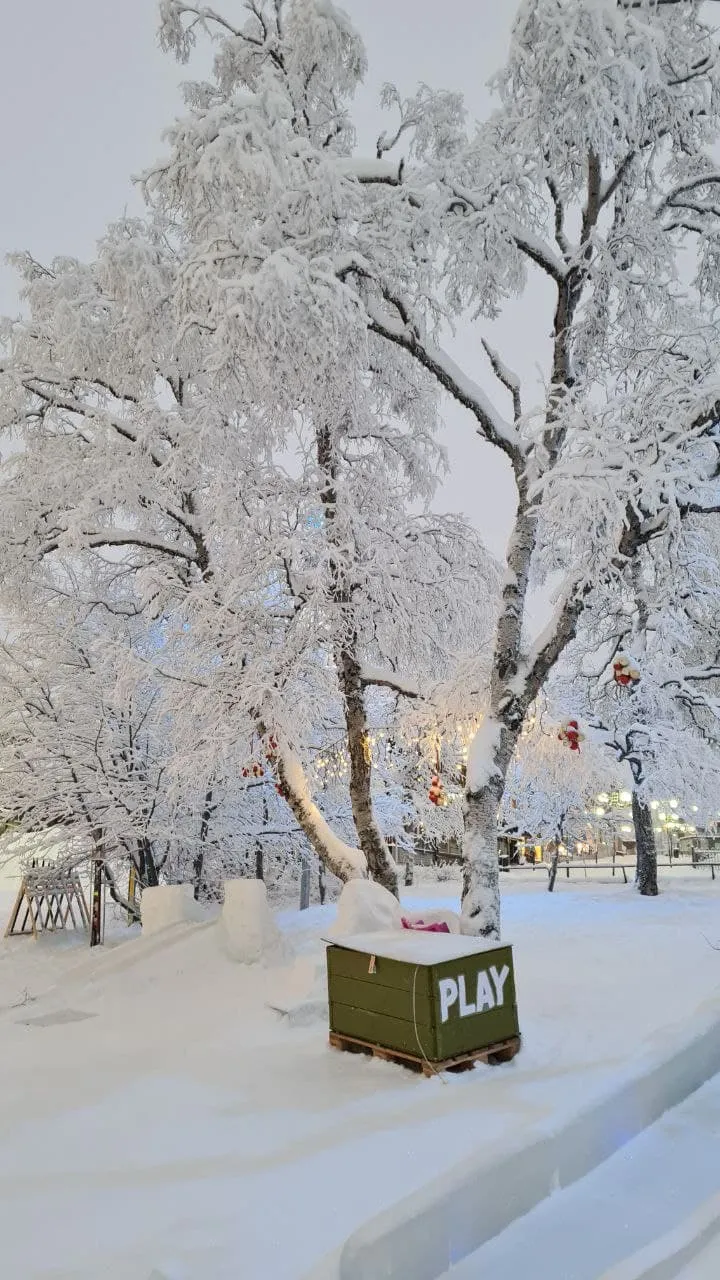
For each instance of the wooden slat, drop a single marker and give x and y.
(398, 974)
(390, 1001)
(381, 1030)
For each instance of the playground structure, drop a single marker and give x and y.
(50, 897)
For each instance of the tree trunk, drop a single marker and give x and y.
(345, 862)
(559, 842)
(481, 867)
(481, 880)
(646, 878)
(128, 904)
(554, 868)
(381, 864)
(199, 859)
(147, 869)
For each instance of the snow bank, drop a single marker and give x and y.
(427, 1233)
(663, 1259)
(365, 907)
(167, 905)
(247, 926)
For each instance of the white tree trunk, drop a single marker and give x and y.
(345, 862)
(481, 879)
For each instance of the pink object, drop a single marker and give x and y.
(424, 928)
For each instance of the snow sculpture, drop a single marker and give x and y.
(248, 930)
(365, 907)
(166, 905)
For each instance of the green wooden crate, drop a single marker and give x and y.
(430, 996)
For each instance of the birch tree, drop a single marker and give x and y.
(249, 569)
(594, 173)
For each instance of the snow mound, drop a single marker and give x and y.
(167, 905)
(365, 907)
(247, 927)
(301, 995)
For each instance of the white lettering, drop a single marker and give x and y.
(465, 1008)
(448, 989)
(485, 998)
(499, 979)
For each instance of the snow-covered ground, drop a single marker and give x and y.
(157, 1116)
(648, 1188)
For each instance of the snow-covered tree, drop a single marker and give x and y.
(547, 793)
(265, 578)
(643, 676)
(594, 174)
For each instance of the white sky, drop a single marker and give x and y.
(85, 94)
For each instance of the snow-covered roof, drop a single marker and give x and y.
(414, 946)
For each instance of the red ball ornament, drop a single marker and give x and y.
(570, 733)
(436, 794)
(624, 673)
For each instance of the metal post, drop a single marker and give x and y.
(96, 903)
(305, 883)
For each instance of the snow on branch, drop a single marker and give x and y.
(530, 244)
(493, 426)
(388, 680)
(553, 640)
(509, 380)
(367, 170)
(344, 861)
(124, 539)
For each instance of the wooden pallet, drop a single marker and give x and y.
(494, 1053)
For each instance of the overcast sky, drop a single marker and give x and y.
(86, 93)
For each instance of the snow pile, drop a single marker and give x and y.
(301, 994)
(167, 905)
(365, 907)
(247, 927)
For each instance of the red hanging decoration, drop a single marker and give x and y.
(624, 673)
(436, 794)
(570, 733)
(254, 770)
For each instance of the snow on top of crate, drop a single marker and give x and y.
(415, 947)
